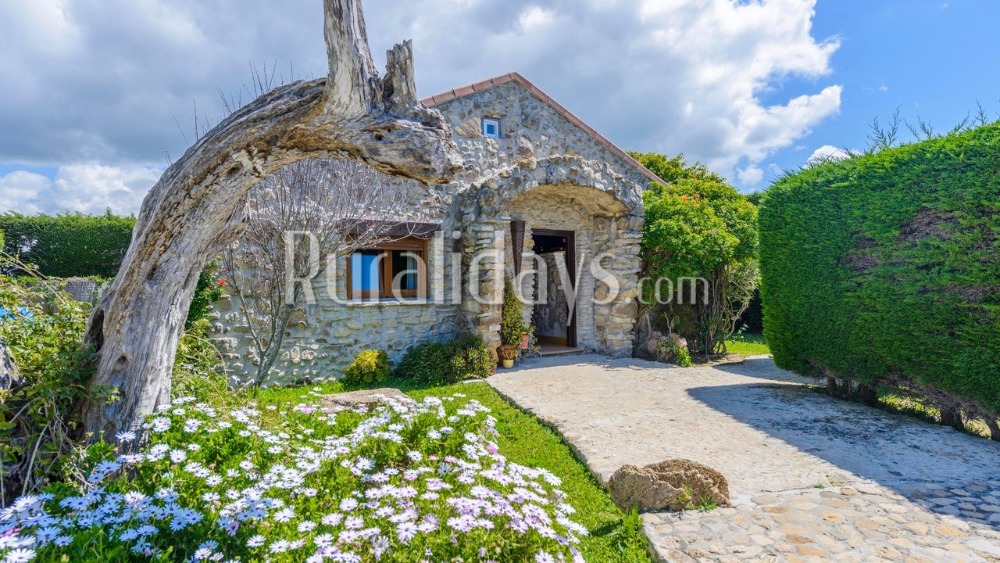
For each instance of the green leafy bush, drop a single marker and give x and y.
(682, 356)
(470, 359)
(39, 416)
(465, 357)
(70, 244)
(699, 240)
(369, 367)
(885, 267)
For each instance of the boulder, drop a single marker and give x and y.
(675, 484)
(367, 398)
(660, 347)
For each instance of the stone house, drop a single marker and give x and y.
(538, 183)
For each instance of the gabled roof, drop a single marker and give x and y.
(535, 91)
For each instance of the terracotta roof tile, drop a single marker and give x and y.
(453, 94)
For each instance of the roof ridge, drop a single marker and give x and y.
(513, 76)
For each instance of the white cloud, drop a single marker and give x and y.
(674, 77)
(109, 82)
(88, 188)
(20, 191)
(750, 176)
(826, 153)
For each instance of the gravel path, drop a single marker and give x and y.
(810, 477)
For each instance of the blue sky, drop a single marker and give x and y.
(931, 59)
(105, 90)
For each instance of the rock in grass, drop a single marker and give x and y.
(366, 397)
(675, 484)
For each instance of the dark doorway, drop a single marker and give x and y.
(554, 320)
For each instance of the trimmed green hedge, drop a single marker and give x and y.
(887, 265)
(69, 245)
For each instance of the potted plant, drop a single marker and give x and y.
(511, 325)
(507, 354)
(526, 337)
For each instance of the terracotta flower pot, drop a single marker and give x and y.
(525, 340)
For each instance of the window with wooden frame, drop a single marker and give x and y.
(392, 270)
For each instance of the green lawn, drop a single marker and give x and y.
(523, 439)
(748, 345)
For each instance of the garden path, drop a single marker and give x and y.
(810, 477)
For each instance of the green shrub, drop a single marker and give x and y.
(884, 267)
(69, 245)
(369, 367)
(465, 357)
(697, 227)
(199, 369)
(470, 359)
(39, 417)
(682, 356)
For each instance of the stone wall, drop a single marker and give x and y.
(529, 129)
(548, 172)
(323, 338)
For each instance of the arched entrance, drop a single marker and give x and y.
(568, 206)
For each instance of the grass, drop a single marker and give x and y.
(748, 344)
(614, 535)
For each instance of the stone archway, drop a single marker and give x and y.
(562, 193)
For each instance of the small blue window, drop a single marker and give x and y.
(491, 128)
(365, 272)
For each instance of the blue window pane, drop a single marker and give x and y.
(365, 271)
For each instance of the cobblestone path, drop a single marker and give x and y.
(811, 478)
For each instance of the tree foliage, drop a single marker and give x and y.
(69, 244)
(697, 226)
(884, 267)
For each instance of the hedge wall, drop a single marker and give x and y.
(70, 244)
(887, 265)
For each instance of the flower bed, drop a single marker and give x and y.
(403, 482)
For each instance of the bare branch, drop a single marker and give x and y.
(345, 205)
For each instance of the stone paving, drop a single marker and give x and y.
(811, 478)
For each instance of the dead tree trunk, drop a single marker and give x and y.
(197, 205)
